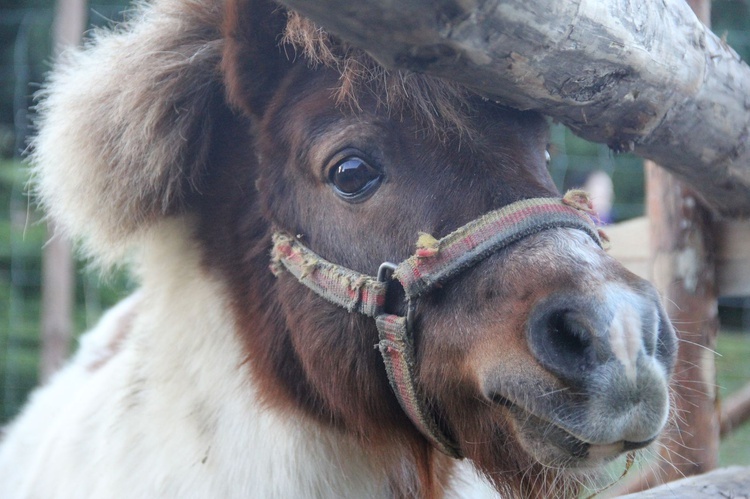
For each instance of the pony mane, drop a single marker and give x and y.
(438, 104)
(124, 125)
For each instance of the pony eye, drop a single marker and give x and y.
(353, 178)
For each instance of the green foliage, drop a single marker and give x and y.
(25, 57)
(733, 372)
(22, 236)
(573, 159)
(730, 19)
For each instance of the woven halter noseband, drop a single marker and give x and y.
(434, 262)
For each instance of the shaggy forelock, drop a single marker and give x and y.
(438, 104)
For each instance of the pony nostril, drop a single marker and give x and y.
(562, 343)
(573, 335)
(566, 337)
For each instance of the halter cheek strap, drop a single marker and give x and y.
(435, 262)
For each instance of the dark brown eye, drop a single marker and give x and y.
(353, 178)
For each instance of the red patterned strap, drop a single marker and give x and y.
(448, 256)
(488, 234)
(434, 262)
(345, 287)
(398, 355)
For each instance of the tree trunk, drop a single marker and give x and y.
(635, 74)
(58, 292)
(684, 270)
(58, 282)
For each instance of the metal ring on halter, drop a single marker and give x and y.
(385, 271)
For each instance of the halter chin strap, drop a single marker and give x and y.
(434, 262)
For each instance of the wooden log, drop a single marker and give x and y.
(637, 75)
(58, 291)
(733, 258)
(683, 255)
(735, 410)
(722, 483)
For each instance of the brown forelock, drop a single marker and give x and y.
(253, 62)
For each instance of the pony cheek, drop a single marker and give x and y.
(344, 371)
(457, 356)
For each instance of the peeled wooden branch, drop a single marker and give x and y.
(735, 410)
(638, 75)
(721, 483)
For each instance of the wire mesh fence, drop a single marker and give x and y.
(25, 48)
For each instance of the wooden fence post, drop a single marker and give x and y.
(683, 268)
(58, 281)
(684, 271)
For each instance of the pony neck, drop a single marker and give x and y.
(204, 388)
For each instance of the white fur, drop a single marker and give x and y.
(624, 334)
(173, 412)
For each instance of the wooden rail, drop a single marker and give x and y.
(637, 75)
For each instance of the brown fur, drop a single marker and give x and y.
(298, 359)
(439, 104)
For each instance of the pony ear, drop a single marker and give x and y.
(253, 60)
(125, 125)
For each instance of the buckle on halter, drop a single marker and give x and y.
(385, 271)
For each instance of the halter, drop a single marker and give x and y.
(434, 262)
